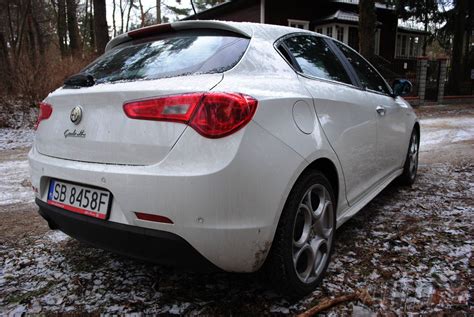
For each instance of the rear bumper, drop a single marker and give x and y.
(141, 243)
(224, 196)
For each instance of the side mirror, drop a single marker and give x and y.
(401, 87)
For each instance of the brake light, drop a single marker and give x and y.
(45, 112)
(213, 115)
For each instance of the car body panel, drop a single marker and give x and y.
(349, 123)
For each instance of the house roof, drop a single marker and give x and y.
(341, 16)
(224, 7)
(378, 5)
(230, 5)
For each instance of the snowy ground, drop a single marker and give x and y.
(15, 187)
(410, 248)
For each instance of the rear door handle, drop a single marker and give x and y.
(380, 110)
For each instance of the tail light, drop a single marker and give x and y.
(213, 115)
(45, 112)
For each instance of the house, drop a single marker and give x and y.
(398, 47)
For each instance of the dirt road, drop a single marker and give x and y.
(410, 248)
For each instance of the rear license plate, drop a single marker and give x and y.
(89, 201)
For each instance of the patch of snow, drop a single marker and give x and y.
(15, 186)
(57, 236)
(435, 131)
(14, 139)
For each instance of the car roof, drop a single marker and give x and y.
(247, 29)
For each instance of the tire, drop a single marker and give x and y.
(410, 168)
(305, 233)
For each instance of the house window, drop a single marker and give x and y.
(377, 42)
(319, 30)
(353, 38)
(412, 46)
(329, 31)
(340, 33)
(403, 51)
(398, 47)
(300, 24)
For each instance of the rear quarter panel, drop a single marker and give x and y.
(264, 75)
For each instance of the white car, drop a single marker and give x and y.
(222, 145)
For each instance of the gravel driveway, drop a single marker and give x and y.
(411, 249)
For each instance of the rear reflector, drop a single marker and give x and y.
(155, 218)
(213, 115)
(45, 112)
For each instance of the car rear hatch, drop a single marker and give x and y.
(167, 64)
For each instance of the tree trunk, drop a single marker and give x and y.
(62, 27)
(122, 14)
(5, 66)
(128, 15)
(158, 11)
(456, 73)
(85, 34)
(31, 41)
(142, 13)
(114, 25)
(425, 40)
(91, 29)
(73, 29)
(101, 29)
(367, 28)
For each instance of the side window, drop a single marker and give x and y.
(368, 76)
(315, 58)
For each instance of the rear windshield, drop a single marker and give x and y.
(177, 54)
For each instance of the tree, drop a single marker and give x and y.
(158, 11)
(456, 73)
(367, 28)
(72, 27)
(101, 29)
(62, 27)
(421, 11)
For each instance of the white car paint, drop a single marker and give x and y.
(225, 196)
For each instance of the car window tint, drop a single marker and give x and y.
(315, 58)
(169, 56)
(368, 76)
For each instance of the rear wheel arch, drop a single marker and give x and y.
(328, 168)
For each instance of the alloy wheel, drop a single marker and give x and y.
(313, 231)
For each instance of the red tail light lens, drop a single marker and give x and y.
(45, 112)
(213, 115)
(172, 108)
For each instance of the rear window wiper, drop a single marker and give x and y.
(80, 80)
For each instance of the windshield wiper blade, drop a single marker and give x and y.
(80, 80)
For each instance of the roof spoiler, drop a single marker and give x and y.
(176, 26)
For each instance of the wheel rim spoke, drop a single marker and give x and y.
(301, 231)
(320, 249)
(322, 225)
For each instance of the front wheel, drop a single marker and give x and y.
(410, 168)
(304, 240)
